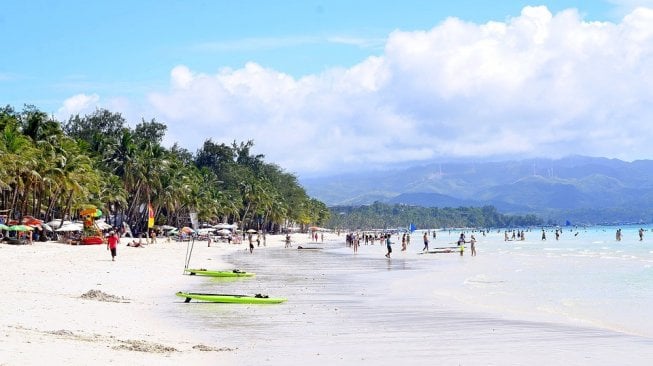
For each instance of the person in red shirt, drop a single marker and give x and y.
(112, 244)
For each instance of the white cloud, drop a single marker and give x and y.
(78, 104)
(538, 84)
(624, 7)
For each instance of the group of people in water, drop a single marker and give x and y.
(519, 235)
(353, 240)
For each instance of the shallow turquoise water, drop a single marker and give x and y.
(583, 299)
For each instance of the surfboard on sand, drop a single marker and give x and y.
(314, 248)
(230, 298)
(210, 273)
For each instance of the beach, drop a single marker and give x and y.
(46, 318)
(582, 300)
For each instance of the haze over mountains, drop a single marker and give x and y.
(578, 189)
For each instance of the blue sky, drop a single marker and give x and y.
(319, 75)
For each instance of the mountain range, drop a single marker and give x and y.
(576, 189)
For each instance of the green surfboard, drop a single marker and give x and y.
(205, 272)
(232, 299)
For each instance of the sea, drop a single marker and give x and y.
(584, 299)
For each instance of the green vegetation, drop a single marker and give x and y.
(49, 170)
(383, 216)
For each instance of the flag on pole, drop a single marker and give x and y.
(150, 216)
(412, 228)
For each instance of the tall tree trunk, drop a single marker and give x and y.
(68, 204)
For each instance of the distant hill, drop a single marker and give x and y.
(583, 190)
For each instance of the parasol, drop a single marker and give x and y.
(20, 228)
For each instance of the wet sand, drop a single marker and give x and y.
(365, 309)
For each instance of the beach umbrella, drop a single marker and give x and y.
(103, 225)
(224, 232)
(186, 230)
(56, 223)
(205, 230)
(251, 231)
(224, 226)
(47, 227)
(167, 227)
(4, 227)
(29, 220)
(71, 227)
(20, 228)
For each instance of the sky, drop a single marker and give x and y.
(324, 87)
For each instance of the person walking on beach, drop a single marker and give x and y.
(388, 244)
(426, 243)
(543, 234)
(112, 244)
(288, 241)
(641, 234)
(403, 243)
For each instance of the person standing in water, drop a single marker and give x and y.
(426, 243)
(388, 244)
(472, 244)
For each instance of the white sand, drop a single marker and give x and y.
(45, 320)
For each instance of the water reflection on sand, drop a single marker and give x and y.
(415, 309)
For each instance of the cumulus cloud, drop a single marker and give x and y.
(537, 84)
(78, 104)
(623, 7)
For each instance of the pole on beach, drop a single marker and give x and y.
(189, 252)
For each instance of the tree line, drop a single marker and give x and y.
(49, 169)
(385, 216)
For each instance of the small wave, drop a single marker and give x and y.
(485, 281)
(609, 257)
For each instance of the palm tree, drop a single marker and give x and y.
(18, 159)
